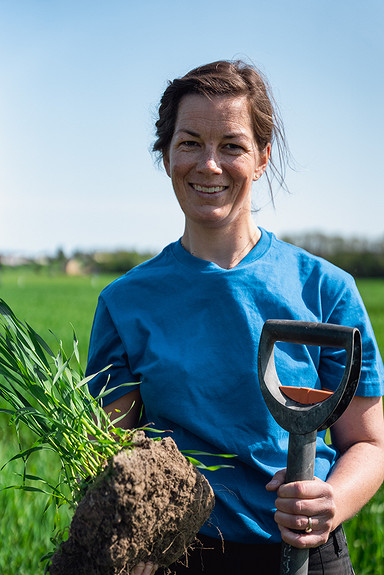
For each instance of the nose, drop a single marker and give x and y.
(209, 162)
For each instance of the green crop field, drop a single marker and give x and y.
(49, 303)
(61, 304)
(54, 303)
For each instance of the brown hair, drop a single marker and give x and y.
(226, 78)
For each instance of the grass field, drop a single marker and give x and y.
(47, 302)
(56, 303)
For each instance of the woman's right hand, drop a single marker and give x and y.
(145, 569)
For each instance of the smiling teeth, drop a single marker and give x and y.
(208, 190)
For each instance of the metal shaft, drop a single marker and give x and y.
(300, 467)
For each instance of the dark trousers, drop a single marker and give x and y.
(218, 558)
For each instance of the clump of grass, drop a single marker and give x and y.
(50, 396)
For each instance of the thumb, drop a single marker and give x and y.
(277, 480)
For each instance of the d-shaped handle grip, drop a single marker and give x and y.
(290, 415)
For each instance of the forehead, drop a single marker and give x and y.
(223, 113)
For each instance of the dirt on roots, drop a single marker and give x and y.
(147, 505)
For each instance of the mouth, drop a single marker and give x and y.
(208, 190)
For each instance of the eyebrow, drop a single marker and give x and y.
(230, 136)
(190, 132)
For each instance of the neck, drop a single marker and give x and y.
(224, 247)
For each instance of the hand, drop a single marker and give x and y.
(296, 502)
(145, 569)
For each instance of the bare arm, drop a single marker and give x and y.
(359, 436)
(130, 404)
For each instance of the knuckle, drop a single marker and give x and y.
(332, 509)
(300, 489)
(323, 538)
(298, 507)
(302, 523)
(276, 516)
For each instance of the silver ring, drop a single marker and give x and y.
(308, 528)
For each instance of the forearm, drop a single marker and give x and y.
(355, 478)
(128, 405)
(359, 437)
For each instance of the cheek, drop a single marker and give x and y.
(243, 171)
(179, 167)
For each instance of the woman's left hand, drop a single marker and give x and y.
(297, 502)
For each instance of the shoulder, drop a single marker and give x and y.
(301, 276)
(307, 264)
(139, 276)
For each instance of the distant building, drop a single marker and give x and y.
(74, 267)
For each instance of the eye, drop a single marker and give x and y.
(232, 147)
(189, 143)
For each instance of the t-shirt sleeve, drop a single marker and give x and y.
(107, 359)
(349, 310)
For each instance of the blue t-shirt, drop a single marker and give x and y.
(189, 331)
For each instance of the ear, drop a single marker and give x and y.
(166, 162)
(264, 157)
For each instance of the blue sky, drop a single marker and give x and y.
(80, 81)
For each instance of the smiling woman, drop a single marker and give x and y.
(187, 325)
(215, 132)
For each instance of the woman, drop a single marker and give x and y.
(187, 324)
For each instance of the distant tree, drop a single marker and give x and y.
(118, 262)
(358, 256)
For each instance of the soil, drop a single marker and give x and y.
(147, 505)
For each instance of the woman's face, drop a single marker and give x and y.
(213, 159)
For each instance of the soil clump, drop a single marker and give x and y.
(147, 505)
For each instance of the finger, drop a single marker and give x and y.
(323, 508)
(145, 568)
(139, 569)
(303, 540)
(150, 568)
(311, 489)
(293, 506)
(296, 522)
(293, 530)
(277, 480)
